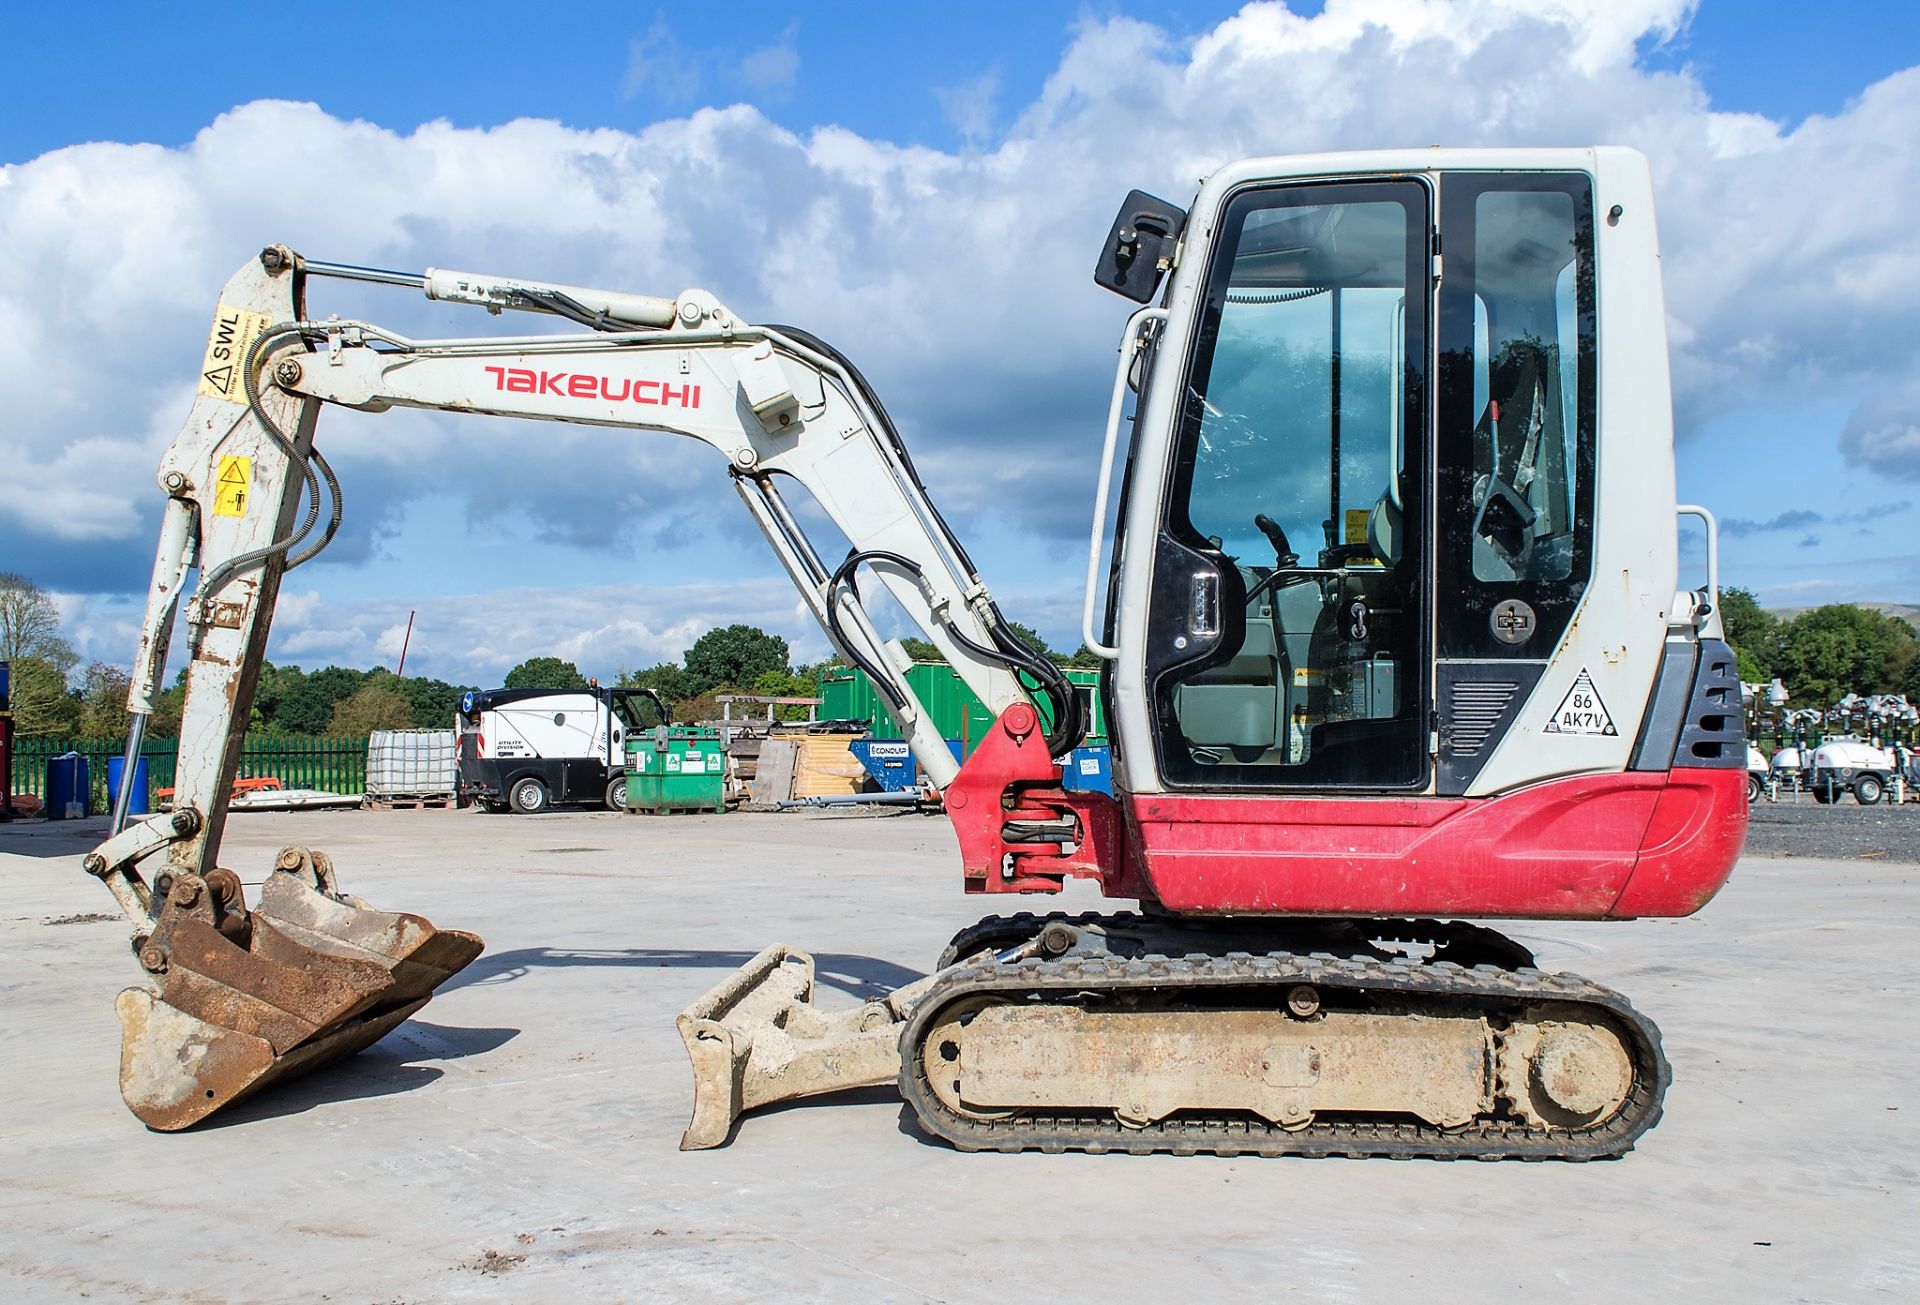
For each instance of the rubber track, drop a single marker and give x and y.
(1096, 1131)
(997, 932)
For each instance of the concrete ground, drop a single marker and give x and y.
(518, 1142)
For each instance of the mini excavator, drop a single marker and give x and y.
(1392, 638)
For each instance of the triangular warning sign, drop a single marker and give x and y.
(231, 472)
(1581, 711)
(220, 378)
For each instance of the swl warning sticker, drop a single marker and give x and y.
(1581, 711)
(232, 486)
(234, 331)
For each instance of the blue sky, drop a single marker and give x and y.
(1783, 185)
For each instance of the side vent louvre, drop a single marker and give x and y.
(1714, 734)
(1478, 701)
(1475, 711)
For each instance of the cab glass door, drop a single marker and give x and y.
(1287, 642)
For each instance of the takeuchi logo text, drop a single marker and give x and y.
(580, 385)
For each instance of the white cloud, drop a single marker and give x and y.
(970, 107)
(958, 281)
(658, 65)
(772, 67)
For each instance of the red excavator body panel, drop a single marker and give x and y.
(1587, 847)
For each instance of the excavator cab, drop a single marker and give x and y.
(1360, 465)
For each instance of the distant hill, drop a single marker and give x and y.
(1905, 611)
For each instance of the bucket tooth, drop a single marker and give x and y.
(756, 1038)
(317, 980)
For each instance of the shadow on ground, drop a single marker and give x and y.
(50, 838)
(858, 976)
(383, 1070)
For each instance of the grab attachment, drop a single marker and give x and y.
(246, 998)
(756, 1038)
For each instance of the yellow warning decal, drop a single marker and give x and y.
(1356, 525)
(234, 331)
(233, 486)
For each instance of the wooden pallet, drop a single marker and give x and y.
(409, 801)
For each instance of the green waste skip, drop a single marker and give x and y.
(676, 768)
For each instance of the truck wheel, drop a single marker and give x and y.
(1754, 787)
(1867, 790)
(617, 793)
(529, 796)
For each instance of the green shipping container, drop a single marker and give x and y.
(848, 695)
(676, 768)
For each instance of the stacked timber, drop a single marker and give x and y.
(825, 767)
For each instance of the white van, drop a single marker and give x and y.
(527, 749)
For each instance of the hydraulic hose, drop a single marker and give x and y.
(213, 581)
(333, 518)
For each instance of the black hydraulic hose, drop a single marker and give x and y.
(887, 429)
(1069, 715)
(1069, 727)
(843, 575)
(212, 582)
(333, 518)
(565, 305)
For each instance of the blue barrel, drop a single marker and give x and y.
(69, 790)
(142, 803)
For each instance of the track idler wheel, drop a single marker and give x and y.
(245, 998)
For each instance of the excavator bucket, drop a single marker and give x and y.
(756, 1038)
(246, 999)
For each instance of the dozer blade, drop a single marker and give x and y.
(318, 979)
(755, 1038)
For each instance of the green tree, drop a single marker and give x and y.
(30, 625)
(1831, 651)
(787, 684)
(922, 650)
(42, 706)
(374, 706)
(1753, 631)
(735, 655)
(545, 673)
(1083, 659)
(671, 682)
(432, 701)
(103, 703)
(277, 687)
(168, 704)
(307, 704)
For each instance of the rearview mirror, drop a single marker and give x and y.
(1140, 246)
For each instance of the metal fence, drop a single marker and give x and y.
(338, 765)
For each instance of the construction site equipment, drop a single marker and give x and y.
(413, 765)
(1850, 765)
(526, 749)
(1393, 634)
(677, 768)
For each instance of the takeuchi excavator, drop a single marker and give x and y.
(1393, 643)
